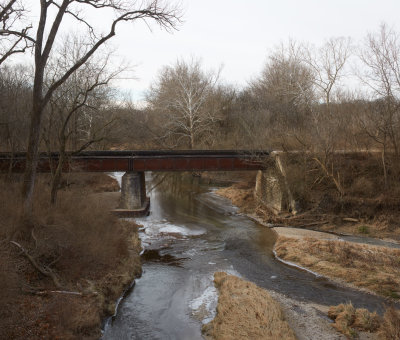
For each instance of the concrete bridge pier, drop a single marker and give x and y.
(133, 201)
(272, 188)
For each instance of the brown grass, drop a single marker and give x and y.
(371, 267)
(245, 311)
(349, 320)
(83, 244)
(390, 329)
(96, 182)
(240, 194)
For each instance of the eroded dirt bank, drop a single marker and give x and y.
(93, 256)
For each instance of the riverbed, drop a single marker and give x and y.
(190, 234)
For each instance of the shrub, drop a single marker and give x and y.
(349, 320)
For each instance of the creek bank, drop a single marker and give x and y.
(349, 259)
(241, 195)
(204, 232)
(92, 253)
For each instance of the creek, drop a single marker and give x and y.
(190, 234)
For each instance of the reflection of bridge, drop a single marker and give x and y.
(135, 163)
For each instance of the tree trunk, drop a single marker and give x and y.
(32, 156)
(57, 175)
(384, 166)
(11, 144)
(191, 142)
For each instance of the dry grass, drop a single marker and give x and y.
(390, 329)
(96, 182)
(83, 244)
(246, 311)
(349, 320)
(374, 268)
(240, 194)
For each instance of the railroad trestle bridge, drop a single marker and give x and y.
(133, 200)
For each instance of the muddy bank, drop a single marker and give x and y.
(94, 257)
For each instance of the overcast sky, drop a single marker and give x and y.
(239, 33)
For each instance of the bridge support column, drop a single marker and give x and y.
(272, 188)
(133, 200)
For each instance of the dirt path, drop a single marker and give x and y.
(302, 233)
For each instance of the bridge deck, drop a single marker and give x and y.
(108, 161)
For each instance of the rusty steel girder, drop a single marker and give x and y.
(109, 161)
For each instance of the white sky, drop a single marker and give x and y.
(239, 33)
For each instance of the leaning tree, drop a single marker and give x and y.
(84, 14)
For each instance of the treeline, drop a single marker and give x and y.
(338, 96)
(304, 98)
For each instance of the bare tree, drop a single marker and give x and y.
(327, 64)
(47, 31)
(13, 33)
(15, 95)
(381, 122)
(183, 94)
(15, 101)
(75, 104)
(283, 95)
(381, 56)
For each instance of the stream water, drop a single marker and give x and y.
(190, 234)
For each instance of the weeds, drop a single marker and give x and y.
(79, 242)
(349, 320)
